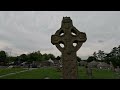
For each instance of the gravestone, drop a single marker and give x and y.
(93, 64)
(117, 69)
(112, 67)
(83, 63)
(103, 65)
(46, 78)
(89, 72)
(72, 40)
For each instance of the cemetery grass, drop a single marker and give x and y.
(39, 73)
(53, 73)
(4, 71)
(98, 74)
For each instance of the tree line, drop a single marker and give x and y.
(113, 56)
(34, 56)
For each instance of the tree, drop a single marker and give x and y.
(95, 55)
(114, 52)
(32, 57)
(58, 58)
(115, 56)
(52, 57)
(3, 57)
(23, 57)
(46, 57)
(107, 58)
(101, 55)
(11, 59)
(91, 58)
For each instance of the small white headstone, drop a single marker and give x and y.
(10, 67)
(46, 78)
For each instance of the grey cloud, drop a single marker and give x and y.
(100, 41)
(31, 30)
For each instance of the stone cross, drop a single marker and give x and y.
(72, 40)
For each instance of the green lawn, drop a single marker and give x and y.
(4, 71)
(52, 73)
(40, 73)
(98, 74)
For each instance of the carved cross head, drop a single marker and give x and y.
(68, 36)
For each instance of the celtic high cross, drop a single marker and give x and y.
(72, 40)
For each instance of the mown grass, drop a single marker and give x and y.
(52, 73)
(4, 71)
(40, 73)
(98, 74)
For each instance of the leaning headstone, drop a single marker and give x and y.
(72, 40)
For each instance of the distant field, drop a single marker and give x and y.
(52, 73)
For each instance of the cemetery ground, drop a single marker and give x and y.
(5, 71)
(53, 73)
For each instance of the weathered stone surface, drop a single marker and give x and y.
(68, 35)
(89, 72)
(83, 63)
(112, 67)
(117, 69)
(93, 64)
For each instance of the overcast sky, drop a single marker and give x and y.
(28, 31)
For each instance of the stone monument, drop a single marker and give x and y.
(72, 40)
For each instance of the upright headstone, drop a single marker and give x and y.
(89, 72)
(117, 69)
(112, 67)
(72, 40)
(83, 63)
